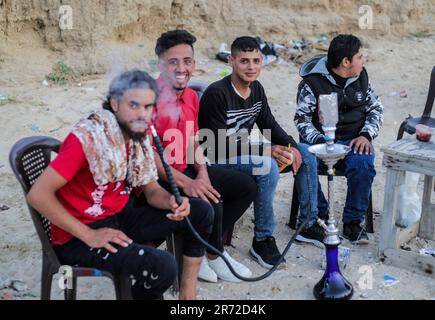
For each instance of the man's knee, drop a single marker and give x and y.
(308, 159)
(249, 185)
(168, 268)
(202, 214)
(267, 170)
(360, 162)
(155, 275)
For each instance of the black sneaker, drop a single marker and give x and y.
(355, 233)
(314, 234)
(265, 252)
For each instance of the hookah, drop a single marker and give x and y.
(332, 286)
(178, 199)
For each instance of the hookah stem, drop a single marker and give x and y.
(178, 199)
(331, 193)
(175, 190)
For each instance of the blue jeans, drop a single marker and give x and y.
(265, 172)
(360, 172)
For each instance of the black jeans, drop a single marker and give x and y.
(153, 270)
(237, 190)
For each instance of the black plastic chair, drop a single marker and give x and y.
(339, 172)
(28, 159)
(198, 86)
(408, 125)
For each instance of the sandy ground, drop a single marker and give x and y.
(394, 65)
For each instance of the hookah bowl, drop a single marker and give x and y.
(332, 286)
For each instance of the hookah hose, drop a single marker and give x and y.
(178, 199)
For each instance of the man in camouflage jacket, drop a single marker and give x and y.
(360, 117)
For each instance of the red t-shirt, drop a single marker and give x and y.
(176, 120)
(81, 197)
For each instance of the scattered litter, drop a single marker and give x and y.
(295, 51)
(223, 72)
(408, 210)
(343, 257)
(389, 281)
(55, 129)
(276, 290)
(282, 62)
(321, 46)
(18, 287)
(223, 56)
(4, 208)
(268, 59)
(6, 296)
(223, 47)
(405, 247)
(35, 128)
(198, 72)
(223, 53)
(3, 98)
(428, 251)
(45, 83)
(402, 94)
(364, 295)
(288, 54)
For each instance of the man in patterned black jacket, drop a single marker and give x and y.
(360, 118)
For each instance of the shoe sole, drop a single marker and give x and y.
(260, 260)
(317, 243)
(234, 280)
(208, 279)
(359, 241)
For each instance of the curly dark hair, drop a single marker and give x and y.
(172, 38)
(131, 79)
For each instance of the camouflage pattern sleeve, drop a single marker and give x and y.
(306, 106)
(374, 114)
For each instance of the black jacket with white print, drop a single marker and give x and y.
(360, 111)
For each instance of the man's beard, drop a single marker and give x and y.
(135, 136)
(179, 87)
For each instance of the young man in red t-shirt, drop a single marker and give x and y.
(176, 121)
(85, 195)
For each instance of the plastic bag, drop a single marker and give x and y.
(409, 202)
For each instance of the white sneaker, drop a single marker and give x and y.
(224, 273)
(205, 272)
(240, 268)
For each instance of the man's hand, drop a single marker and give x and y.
(284, 155)
(361, 145)
(297, 160)
(102, 238)
(281, 154)
(179, 211)
(201, 188)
